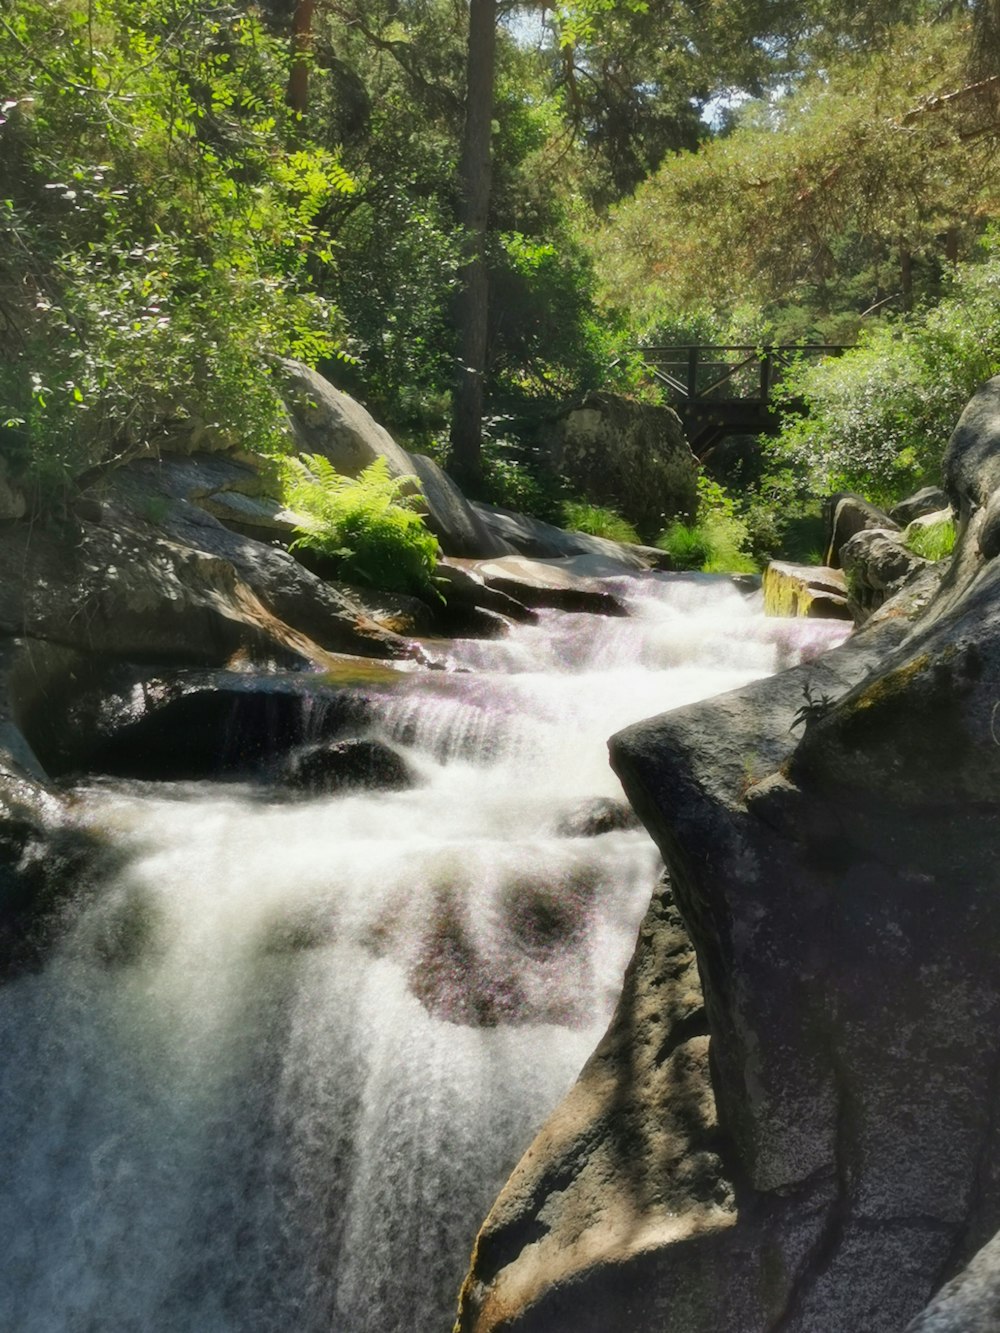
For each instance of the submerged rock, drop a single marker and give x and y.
(348, 765)
(600, 815)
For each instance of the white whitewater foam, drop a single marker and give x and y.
(274, 1077)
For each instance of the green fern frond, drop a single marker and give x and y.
(368, 525)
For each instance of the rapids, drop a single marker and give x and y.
(273, 1078)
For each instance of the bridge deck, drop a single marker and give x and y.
(726, 388)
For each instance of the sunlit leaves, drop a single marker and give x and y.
(156, 251)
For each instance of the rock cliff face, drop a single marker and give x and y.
(829, 1155)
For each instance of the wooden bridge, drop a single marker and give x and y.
(726, 389)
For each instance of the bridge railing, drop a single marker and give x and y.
(727, 371)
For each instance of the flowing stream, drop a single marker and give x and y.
(274, 1076)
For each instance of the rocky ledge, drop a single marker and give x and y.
(792, 1123)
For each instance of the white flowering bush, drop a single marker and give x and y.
(878, 418)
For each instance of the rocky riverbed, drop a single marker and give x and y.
(790, 1122)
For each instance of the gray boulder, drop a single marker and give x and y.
(328, 422)
(928, 500)
(631, 456)
(831, 836)
(162, 501)
(972, 459)
(539, 540)
(878, 566)
(846, 515)
(970, 1303)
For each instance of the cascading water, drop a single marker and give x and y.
(274, 1076)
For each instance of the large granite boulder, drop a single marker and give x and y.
(631, 456)
(928, 500)
(878, 565)
(328, 422)
(525, 535)
(847, 514)
(832, 836)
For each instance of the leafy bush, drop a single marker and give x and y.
(879, 416)
(367, 526)
(514, 480)
(579, 516)
(716, 542)
(158, 233)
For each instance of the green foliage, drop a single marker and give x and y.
(516, 479)
(716, 541)
(368, 526)
(598, 521)
(880, 416)
(544, 336)
(157, 230)
(831, 198)
(934, 541)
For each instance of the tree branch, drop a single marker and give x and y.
(946, 99)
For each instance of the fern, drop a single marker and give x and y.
(368, 526)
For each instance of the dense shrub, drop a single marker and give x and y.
(715, 541)
(156, 232)
(880, 416)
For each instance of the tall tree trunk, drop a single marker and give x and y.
(297, 93)
(475, 173)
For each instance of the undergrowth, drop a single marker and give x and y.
(368, 526)
(716, 542)
(597, 521)
(934, 541)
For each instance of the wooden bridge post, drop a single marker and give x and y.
(765, 375)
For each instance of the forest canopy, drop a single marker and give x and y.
(190, 192)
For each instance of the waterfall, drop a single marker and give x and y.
(272, 1078)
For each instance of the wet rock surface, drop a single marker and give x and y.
(538, 583)
(591, 819)
(831, 837)
(347, 765)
